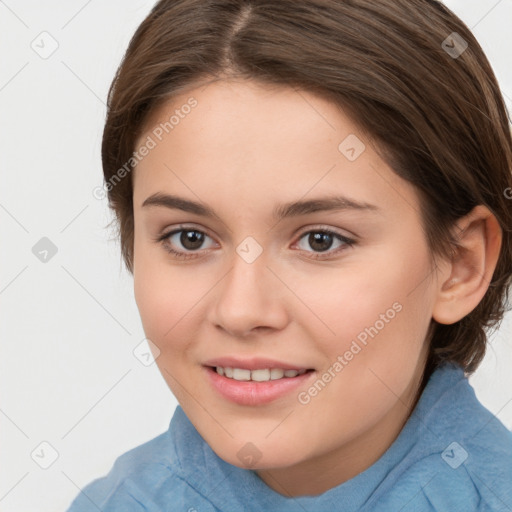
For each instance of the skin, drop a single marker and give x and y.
(244, 149)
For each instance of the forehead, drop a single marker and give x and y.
(260, 142)
(221, 109)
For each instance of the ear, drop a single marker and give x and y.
(470, 270)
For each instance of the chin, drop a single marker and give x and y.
(256, 456)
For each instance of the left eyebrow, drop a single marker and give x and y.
(321, 204)
(286, 210)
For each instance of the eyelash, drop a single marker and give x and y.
(164, 240)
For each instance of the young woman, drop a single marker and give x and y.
(313, 197)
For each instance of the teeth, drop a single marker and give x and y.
(239, 374)
(276, 373)
(260, 375)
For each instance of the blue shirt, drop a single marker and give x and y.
(452, 455)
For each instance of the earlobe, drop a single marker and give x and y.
(470, 270)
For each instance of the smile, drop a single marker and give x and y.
(258, 386)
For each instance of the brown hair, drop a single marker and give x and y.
(438, 118)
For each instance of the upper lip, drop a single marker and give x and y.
(253, 363)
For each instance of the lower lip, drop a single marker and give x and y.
(252, 392)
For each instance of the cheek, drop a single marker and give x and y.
(168, 300)
(168, 307)
(345, 304)
(380, 333)
(374, 315)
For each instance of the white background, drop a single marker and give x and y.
(68, 327)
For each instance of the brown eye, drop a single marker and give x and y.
(322, 240)
(183, 242)
(191, 239)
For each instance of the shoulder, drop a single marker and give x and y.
(463, 457)
(475, 452)
(469, 473)
(144, 478)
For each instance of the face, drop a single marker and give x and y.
(338, 288)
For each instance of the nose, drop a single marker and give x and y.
(249, 299)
